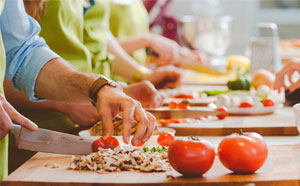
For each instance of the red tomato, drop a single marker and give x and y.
(184, 96)
(191, 158)
(243, 153)
(165, 139)
(245, 105)
(268, 103)
(169, 121)
(183, 106)
(173, 105)
(224, 114)
(139, 144)
(110, 142)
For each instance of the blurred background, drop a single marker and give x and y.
(245, 14)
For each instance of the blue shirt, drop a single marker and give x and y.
(26, 52)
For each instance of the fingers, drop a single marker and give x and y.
(142, 119)
(18, 118)
(106, 117)
(5, 122)
(128, 108)
(150, 127)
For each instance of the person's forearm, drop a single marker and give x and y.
(124, 61)
(19, 100)
(59, 81)
(134, 43)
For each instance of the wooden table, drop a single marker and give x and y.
(280, 123)
(282, 168)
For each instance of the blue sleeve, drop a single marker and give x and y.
(26, 52)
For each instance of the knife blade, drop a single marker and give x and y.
(43, 140)
(167, 113)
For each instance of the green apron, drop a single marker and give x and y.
(130, 20)
(4, 142)
(96, 30)
(62, 28)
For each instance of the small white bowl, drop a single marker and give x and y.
(296, 108)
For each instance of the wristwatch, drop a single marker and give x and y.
(98, 85)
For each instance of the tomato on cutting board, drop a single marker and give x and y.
(110, 142)
(224, 114)
(243, 153)
(191, 157)
(165, 139)
(268, 102)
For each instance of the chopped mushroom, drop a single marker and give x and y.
(108, 160)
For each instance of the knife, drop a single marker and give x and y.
(167, 113)
(43, 140)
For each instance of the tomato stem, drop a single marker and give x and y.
(194, 138)
(241, 132)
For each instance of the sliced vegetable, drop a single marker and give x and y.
(224, 114)
(184, 96)
(245, 105)
(268, 102)
(165, 139)
(173, 105)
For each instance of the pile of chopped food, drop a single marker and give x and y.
(118, 159)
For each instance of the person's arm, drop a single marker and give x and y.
(163, 77)
(124, 61)
(168, 50)
(33, 68)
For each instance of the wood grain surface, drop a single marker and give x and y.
(282, 168)
(280, 123)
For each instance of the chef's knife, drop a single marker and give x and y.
(167, 113)
(43, 140)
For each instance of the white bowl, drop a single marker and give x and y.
(297, 115)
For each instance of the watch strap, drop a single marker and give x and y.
(97, 86)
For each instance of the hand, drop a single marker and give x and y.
(199, 58)
(83, 115)
(111, 101)
(164, 77)
(9, 114)
(288, 71)
(145, 93)
(167, 50)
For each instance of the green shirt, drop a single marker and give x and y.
(130, 20)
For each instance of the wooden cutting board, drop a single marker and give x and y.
(280, 123)
(282, 168)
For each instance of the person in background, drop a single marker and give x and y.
(134, 39)
(41, 74)
(85, 43)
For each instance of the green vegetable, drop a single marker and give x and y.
(186, 101)
(215, 92)
(241, 83)
(156, 149)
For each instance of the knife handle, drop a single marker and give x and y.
(15, 130)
